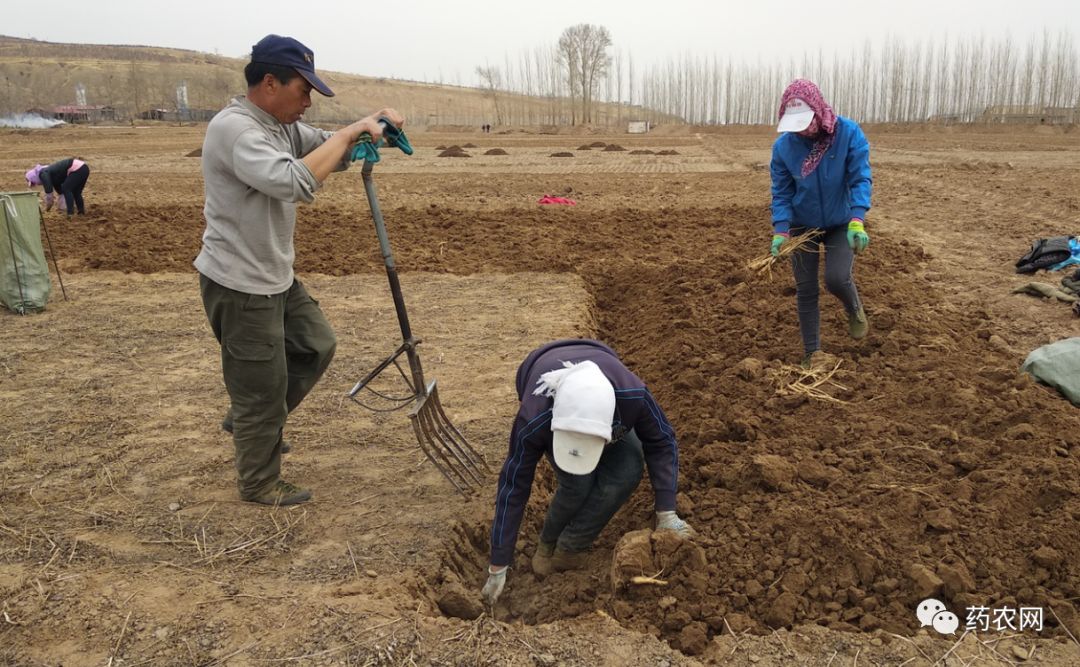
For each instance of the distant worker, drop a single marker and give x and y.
(66, 177)
(597, 424)
(258, 160)
(820, 181)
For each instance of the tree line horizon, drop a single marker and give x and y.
(893, 81)
(583, 79)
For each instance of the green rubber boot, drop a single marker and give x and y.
(858, 325)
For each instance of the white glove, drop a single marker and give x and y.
(50, 198)
(670, 520)
(496, 581)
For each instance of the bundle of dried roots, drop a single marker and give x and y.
(816, 382)
(762, 266)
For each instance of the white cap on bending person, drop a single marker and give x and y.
(581, 415)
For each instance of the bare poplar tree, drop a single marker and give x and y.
(583, 51)
(568, 61)
(491, 77)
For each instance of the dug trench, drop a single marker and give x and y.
(937, 472)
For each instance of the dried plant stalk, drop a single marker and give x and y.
(762, 266)
(649, 580)
(813, 383)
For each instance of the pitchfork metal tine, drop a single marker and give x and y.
(424, 447)
(442, 443)
(440, 431)
(445, 470)
(430, 441)
(473, 454)
(437, 432)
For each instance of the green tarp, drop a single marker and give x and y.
(24, 274)
(1057, 365)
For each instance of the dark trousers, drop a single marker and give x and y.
(584, 504)
(273, 351)
(72, 189)
(839, 262)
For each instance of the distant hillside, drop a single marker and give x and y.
(133, 79)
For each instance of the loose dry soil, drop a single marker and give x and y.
(821, 524)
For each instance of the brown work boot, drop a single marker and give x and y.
(282, 493)
(858, 325)
(227, 426)
(818, 361)
(541, 560)
(562, 561)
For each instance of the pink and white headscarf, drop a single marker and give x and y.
(33, 177)
(824, 116)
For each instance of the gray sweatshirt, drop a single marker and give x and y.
(253, 177)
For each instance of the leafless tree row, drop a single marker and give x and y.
(584, 78)
(951, 79)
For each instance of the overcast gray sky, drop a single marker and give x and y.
(446, 39)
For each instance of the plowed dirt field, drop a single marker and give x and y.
(936, 470)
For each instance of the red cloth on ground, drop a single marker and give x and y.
(551, 199)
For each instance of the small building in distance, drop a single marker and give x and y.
(178, 115)
(78, 113)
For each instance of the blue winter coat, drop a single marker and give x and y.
(834, 193)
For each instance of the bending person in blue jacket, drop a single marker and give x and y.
(597, 424)
(820, 180)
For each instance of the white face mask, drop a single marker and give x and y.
(812, 129)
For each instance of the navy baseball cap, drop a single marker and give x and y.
(287, 52)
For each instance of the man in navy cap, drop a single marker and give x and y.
(258, 161)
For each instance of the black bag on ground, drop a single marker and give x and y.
(1045, 253)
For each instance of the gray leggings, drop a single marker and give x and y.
(839, 261)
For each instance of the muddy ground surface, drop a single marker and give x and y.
(938, 471)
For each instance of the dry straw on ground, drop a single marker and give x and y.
(815, 382)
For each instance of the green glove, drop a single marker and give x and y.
(777, 241)
(857, 237)
(365, 150)
(368, 150)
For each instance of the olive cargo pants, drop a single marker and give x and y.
(273, 350)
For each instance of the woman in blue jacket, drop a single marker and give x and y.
(820, 181)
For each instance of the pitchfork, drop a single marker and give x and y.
(442, 443)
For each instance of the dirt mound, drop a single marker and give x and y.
(837, 514)
(614, 147)
(944, 472)
(641, 151)
(495, 151)
(440, 147)
(195, 153)
(598, 144)
(668, 151)
(562, 154)
(660, 575)
(584, 147)
(454, 151)
(469, 145)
